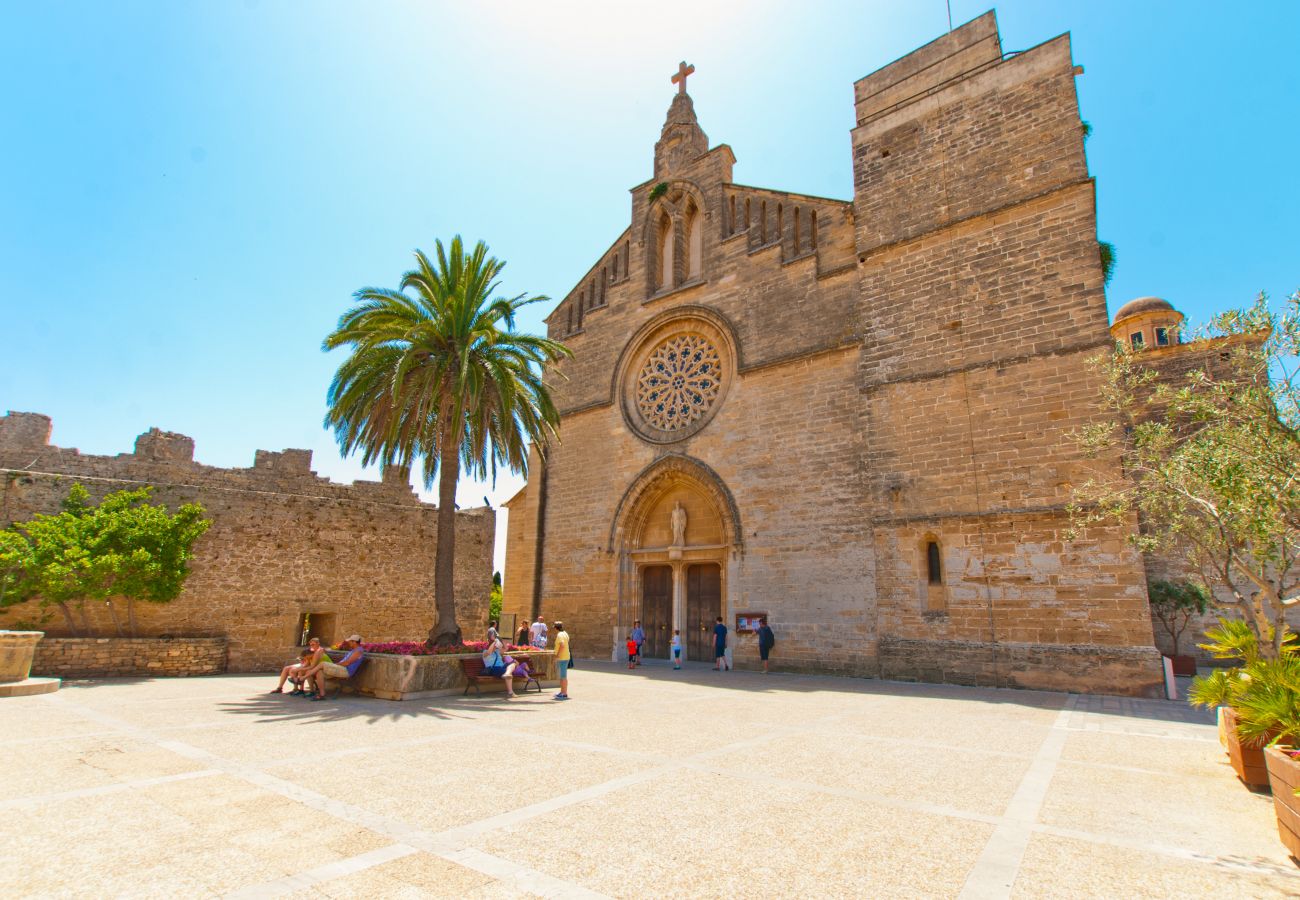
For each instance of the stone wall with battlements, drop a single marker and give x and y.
(283, 542)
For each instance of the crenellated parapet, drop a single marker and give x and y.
(166, 457)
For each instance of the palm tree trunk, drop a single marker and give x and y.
(130, 615)
(446, 631)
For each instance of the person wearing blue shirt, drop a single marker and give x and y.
(344, 668)
(638, 636)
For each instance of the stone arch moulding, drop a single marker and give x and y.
(659, 476)
(703, 327)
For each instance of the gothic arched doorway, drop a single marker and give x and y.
(677, 536)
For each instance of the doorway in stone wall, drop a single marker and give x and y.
(656, 610)
(703, 606)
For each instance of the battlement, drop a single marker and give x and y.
(166, 457)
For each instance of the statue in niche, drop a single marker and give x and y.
(677, 519)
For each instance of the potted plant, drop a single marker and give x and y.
(1173, 604)
(1237, 692)
(1284, 779)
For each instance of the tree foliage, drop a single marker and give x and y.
(1173, 604)
(437, 373)
(1211, 461)
(121, 548)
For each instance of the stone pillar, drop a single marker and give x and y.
(16, 651)
(679, 595)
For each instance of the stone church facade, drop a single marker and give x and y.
(853, 418)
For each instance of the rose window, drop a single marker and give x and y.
(679, 382)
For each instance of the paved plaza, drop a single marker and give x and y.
(647, 783)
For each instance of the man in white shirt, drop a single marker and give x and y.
(538, 630)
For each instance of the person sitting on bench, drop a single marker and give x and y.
(344, 668)
(296, 672)
(495, 663)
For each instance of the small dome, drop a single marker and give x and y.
(1143, 305)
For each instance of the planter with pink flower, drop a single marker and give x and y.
(408, 670)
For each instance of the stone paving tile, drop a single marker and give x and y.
(459, 780)
(962, 779)
(1159, 755)
(692, 834)
(1056, 867)
(208, 835)
(418, 877)
(85, 762)
(1211, 813)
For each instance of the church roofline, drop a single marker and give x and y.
(624, 235)
(754, 187)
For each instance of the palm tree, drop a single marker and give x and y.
(437, 373)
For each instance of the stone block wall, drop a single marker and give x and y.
(283, 542)
(1080, 668)
(116, 657)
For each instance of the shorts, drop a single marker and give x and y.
(677, 653)
(488, 670)
(719, 650)
(763, 652)
(564, 667)
(334, 670)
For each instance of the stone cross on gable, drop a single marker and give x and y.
(679, 79)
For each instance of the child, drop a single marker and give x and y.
(631, 652)
(677, 649)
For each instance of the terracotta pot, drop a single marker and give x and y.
(1284, 778)
(16, 650)
(1247, 759)
(1184, 664)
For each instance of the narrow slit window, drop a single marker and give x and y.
(934, 567)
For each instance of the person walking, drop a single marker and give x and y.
(538, 630)
(720, 646)
(677, 649)
(562, 659)
(638, 635)
(766, 641)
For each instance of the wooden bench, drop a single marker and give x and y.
(473, 669)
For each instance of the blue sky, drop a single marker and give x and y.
(192, 191)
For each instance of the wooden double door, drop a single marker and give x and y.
(703, 604)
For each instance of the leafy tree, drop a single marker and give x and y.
(1213, 461)
(124, 547)
(15, 559)
(1174, 603)
(494, 603)
(437, 373)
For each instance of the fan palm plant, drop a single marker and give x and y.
(437, 373)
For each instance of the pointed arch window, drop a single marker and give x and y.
(664, 239)
(694, 244)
